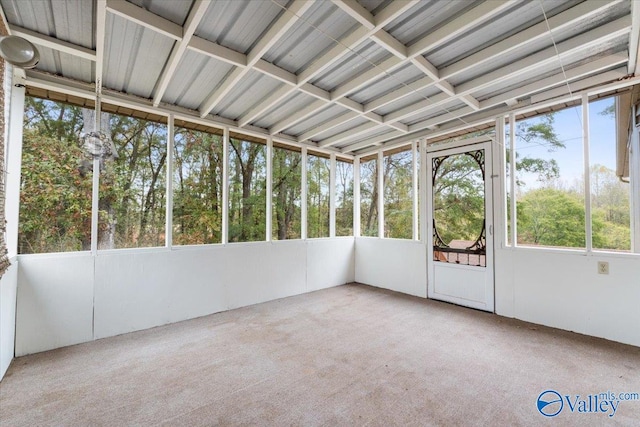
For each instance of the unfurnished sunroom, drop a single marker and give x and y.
(167, 160)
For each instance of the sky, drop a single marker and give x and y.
(568, 127)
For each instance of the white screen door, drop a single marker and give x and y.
(460, 226)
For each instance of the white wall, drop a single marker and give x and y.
(8, 288)
(555, 288)
(564, 290)
(55, 302)
(399, 265)
(66, 299)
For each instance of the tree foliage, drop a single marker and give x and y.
(55, 212)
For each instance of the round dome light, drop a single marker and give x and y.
(19, 52)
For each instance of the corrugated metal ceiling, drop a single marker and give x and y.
(142, 37)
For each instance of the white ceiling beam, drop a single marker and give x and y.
(470, 19)
(579, 85)
(216, 51)
(331, 124)
(426, 67)
(567, 48)
(399, 93)
(316, 92)
(353, 106)
(377, 118)
(352, 133)
(41, 80)
(399, 126)
(227, 85)
(145, 18)
(481, 117)
(333, 55)
(390, 43)
(278, 29)
(392, 11)
(196, 14)
(483, 12)
(431, 103)
(470, 101)
(445, 117)
(376, 141)
(53, 43)
(101, 24)
(558, 22)
(582, 71)
(275, 32)
(357, 12)
(446, 87)
(310, 72)
(564, 20)
(297, 116)
(365, 78)
(344, 47)
(634, 40)
(276, 72)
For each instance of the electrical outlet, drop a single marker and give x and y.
(603, 267)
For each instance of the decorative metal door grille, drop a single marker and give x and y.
(461, 251)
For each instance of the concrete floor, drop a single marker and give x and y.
(351, 355)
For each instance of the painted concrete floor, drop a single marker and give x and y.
(350, 355)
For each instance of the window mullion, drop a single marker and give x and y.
(587, 178)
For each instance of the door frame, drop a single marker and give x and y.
(458, 147)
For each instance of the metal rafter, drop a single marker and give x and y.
(438, 78)
(344, 47)
(473, 17)
(567, 48)
(191, 24)
(275, 32)
(53, 43)
(140, 16)
(584, 76)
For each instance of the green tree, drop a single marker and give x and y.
(458, 205)
(317, 196)
(197, 200)
(247, 191)
(369, 197)
(344, 198)
(286, 210)
(55, 197)
(552, 217)
(398, 200)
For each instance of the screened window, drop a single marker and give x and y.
(318, 169)
(610, 206)
(344, 198)
(247, 190)
(132, 207)
(398, 198)
(550, 180)
(369, 197)
(286, 193)
(55, 196)
(197, 187)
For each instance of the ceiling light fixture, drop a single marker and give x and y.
(19, 52)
